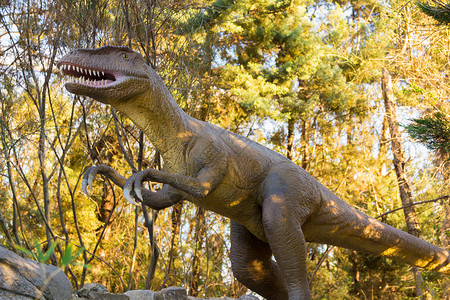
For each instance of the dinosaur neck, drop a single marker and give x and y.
(166, 125)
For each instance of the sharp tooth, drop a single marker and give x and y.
(90, 72)
(103, 73)
(95, 73)
(78, 69)
(68, 68)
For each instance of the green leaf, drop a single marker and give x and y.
(68, 257)
(26, 251)
(49, 252)
(40, 254)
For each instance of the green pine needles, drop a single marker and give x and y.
(433, 131)
(436, 9)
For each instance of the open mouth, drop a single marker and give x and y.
(85, 75)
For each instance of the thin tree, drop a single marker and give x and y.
(412, 223)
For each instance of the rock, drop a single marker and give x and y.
(171, 293)
(215, 298)
(140, 294)
(244, 297)
(5, 295)
(109, 296)
(98, 292)
(248, 297)
(88, 290)
(22, 278)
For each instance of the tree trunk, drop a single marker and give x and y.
(304, 146)
(198, 239)
(170, 278)
(290, 138)
(445, 238)
(412, 223)
(446, 244)
(383, 146)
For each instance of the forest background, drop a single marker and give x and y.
(333, 85)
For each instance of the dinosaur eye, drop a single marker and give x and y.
(125, 55)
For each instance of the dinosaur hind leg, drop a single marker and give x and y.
(282, 217)
(253, 266)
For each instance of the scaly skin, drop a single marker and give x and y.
(274, 205)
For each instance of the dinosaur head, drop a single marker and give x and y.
(108, 74)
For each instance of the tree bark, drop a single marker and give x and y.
(198, 239)
(170, 278)
(412, 223)
(445, 237)
(290, 138)
(304, 145)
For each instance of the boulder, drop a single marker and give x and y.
(98, 292)
(140, 294)
(89, 289)
(244, 297)
(171, 293)
(22, 278)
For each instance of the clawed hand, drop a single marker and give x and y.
(132, 188)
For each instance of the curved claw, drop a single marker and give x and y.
(127, 191)
(127, 195)
(84, 184)
(88, 178)
(138, 185)
(91, 178)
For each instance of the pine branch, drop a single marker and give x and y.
(433, 131)
(436, 9)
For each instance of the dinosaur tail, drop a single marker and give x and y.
(339, 224)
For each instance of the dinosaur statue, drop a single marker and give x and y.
(274, 205)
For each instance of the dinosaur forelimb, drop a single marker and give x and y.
(198, 187)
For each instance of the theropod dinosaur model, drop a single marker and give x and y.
(274, 205)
